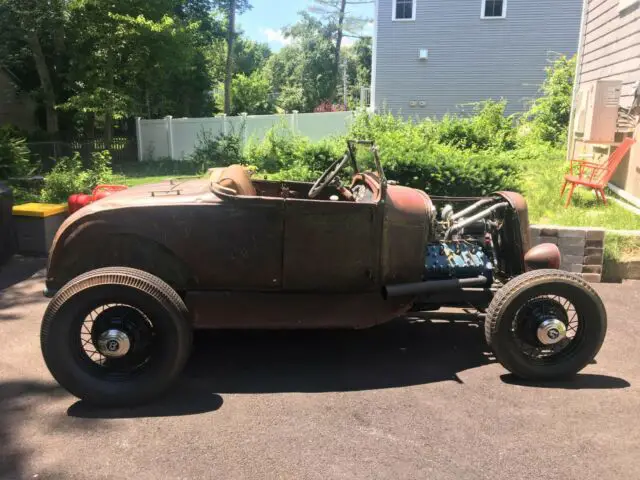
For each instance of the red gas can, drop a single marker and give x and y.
(79, 200)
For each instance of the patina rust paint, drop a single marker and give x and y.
(292, 310)
(545, 255)
(406, 229)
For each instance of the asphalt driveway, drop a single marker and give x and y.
(411, 399)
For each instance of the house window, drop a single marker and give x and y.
(404, 10)
(494, 9)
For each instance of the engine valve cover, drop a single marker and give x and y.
(456, 259)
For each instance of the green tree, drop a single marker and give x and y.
(250, 56)
(335, 14)
(232, 8)
(252, 94)
(357, 59)
(302, 73)
(37, 27)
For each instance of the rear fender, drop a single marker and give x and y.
(128, 250)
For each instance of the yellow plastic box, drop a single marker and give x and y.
(36, 224)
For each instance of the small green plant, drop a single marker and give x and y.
(14, 154)
(69, 176)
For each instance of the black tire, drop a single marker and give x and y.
(502, 314)
(146, 295)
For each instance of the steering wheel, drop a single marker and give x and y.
(328, 176)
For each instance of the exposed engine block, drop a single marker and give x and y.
(457, 259)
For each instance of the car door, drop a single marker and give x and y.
(236, 244)
(331, 246)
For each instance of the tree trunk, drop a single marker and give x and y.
(336, 66)
(59, 37)
(229, 68)
(48, 91)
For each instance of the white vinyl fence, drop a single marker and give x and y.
(178, 137)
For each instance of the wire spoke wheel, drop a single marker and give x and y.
(546, 324)
(117, 338)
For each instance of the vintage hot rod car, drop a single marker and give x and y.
(133, 274)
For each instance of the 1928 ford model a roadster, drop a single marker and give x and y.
(133, 274)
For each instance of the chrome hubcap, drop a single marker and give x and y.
(113, 343)
(551, 331)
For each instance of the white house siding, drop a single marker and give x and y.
(470, 58)
(611, 51)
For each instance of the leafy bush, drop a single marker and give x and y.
(486, 129)
(14, 154)
(69, 176)
(216, 150)
(456, 156)
(285, 155)
(443, 170)
(548, 118)
(407, 153)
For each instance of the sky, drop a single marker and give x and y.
(264, 22)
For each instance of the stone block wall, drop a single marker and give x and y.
(582, 249)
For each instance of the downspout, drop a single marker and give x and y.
(576, 77)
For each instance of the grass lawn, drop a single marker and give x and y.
(541, 188)
(132, 174)
(133, 181)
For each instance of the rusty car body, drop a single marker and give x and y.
(145, 266)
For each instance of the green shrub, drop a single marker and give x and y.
(408, 155)
(487, 129)
(14, 154)
(216, 150)
(283, 153)
(456, 156)
(69, 176)
(443, 170)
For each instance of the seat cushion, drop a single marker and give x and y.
(234, 177)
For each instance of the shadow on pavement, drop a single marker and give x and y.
(396, 354)
(18, 402)
(183, 400)
(19, 269)
(15, 299)
(582, 381)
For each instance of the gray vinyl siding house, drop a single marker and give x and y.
(475, 49)
(610, 50)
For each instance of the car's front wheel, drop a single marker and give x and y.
(546, 324)
(116, 336)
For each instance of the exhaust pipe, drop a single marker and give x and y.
(432, 286)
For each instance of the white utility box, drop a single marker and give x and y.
(597, 111)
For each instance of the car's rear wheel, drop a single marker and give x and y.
(546, 324)
(116, 336)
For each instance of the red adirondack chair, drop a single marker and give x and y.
(595, 175)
